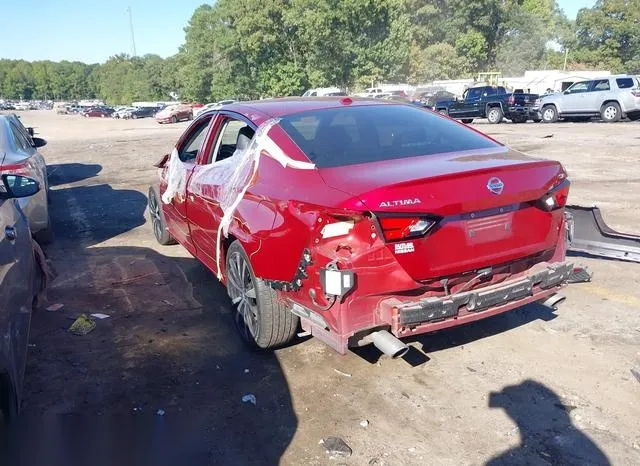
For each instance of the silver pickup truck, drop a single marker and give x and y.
(610, 98)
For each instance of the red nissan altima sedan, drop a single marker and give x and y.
(361, 221)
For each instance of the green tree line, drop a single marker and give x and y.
(247, 49)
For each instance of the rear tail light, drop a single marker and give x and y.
(399, 228)
(636, 93)
(556, 198)
(25, 168)
(511, 100)
(537, 102)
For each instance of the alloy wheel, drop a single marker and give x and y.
(548, 114)
(154, 209)
(610, 112)
(242, 291)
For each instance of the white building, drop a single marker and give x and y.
(539, 81)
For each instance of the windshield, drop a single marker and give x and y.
(344, 136)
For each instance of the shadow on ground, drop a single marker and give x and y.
(64, 173)
(547, 435)
(160, 381)
(457, 336)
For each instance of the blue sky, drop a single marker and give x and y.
(93, 30)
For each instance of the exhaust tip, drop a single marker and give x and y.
(389, 344)
(554, 301)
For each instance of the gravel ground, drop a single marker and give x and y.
(528, 387)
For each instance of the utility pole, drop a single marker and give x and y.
(566, 55)
(133, 38)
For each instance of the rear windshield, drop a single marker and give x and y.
(345, 136)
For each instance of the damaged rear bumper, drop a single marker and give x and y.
(435, 313)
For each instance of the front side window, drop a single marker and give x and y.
(579, 87)
(192, 144)
(336, 137)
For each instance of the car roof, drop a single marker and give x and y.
(276, 108)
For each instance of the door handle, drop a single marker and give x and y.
(10, 233)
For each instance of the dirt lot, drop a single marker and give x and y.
(530, 386)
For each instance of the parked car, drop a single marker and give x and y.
(19, 280)
(324, 92)
(493, 103)
(19, 156)
(429, 99)
(101, 112)
(368, 220)
(610, 98)
(140, 112)
(174, 113)
(121, 112)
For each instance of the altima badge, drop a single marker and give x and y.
(495, 185)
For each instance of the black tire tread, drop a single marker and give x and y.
(167, 239)
(277, 324)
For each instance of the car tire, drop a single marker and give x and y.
(467, 121)
(263, 320)
(158, 220)
(134, 116)
(174, 119)
(549, 114)
(44, 236)
(443, 111)
(610, 112)
(494, 115)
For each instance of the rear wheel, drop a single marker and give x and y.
(550, 114)
(467, 121)
(158, 221)
(610, 112)
(443, 111)
(174, 119)
(263, 320)
(494, 115)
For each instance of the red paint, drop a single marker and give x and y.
(285, 210)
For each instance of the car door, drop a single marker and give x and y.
(575, 99)
(599, 92)
(175, 212)
(216, 163)
(469, 104)
(17, 268)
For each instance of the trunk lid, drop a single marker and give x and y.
(482, 201)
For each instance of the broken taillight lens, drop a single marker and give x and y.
(398, 228)
(556, 198)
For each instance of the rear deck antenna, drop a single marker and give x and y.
(133, 37)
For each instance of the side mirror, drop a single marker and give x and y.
(39, 142)
(31, 131)
(16, 186)
(566, 92)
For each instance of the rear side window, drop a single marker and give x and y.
(625, 83)
(345, 136)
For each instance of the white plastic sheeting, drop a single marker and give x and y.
(227, 181)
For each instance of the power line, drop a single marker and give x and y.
(133, 37)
